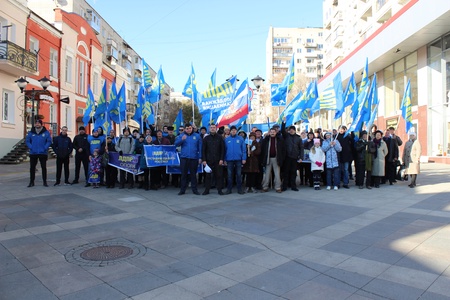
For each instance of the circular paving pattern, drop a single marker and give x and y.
(105, 253)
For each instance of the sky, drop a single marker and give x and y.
(229, 36)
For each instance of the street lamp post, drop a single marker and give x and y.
(22, 83)
(258, 82)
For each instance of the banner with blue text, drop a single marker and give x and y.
(126, 162)
(159, 155)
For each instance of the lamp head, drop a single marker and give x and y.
(21, 83)
(45, 82)
(258, 81)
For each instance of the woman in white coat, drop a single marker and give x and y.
(411, 157)
(317, 157)
(379, 158)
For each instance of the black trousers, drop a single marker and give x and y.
(360, 170)
(42, 158)
(251, 180)
(111, 175)
(290, 172)
(126, 177)
(391, 171)
(60, 162)
(188, 165)
(216, 172)
(81, 158)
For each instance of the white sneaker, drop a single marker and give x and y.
(336, 188)
(328, 187)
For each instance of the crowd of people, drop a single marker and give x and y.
(253, 162)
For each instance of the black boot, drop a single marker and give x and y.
(31, 184)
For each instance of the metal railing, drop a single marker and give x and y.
(18, 55)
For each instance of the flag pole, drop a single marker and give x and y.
(192, 99)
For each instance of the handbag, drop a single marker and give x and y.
(105, 159)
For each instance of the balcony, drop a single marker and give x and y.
(16, 60)
(137, 79)
(367, 11)
(311, 54)
(310, 45)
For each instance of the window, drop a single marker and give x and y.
(34, 45)
(299, 40)
(95, 84)
(54, 63)
(52, 113)
(299, 50)
(299, 61)
(280, 40)
(309, 60)
(320, 46)
(311, 70)
(81, 78)
(8, 106)
(310, 41)
(68, 116)
(310, 50)
(68, 73)
(320, 34)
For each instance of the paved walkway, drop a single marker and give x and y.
(386, 243)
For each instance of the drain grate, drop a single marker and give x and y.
(105, 253)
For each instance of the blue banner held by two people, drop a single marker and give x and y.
(161, 155)
(126, 162)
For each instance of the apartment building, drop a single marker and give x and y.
(402, 40)
(306, 44)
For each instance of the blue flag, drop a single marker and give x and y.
(147, 75)
(218, 98)
(90, 102)
(190, 88)
(178, 122)
(103, 122)
(286, 85)
(139, 106)
(113, 105)
(349, 97)
(331, 96)
(290, 108)
(157, 86)
(373, 99)
(212, 81)
(101, 105)
(406, 107)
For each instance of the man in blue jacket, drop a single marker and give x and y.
(63, 147)
(235, 157)
(38, 141)
(191, 148)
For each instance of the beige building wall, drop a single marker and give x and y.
(348, 23)
(12, 127)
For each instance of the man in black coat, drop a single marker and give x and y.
(392, 142)
(63, 147)
(346, 155)
(294, 154)
(81, 146)
(213, 151)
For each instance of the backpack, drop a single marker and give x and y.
(120, 139)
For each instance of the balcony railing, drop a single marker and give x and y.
(18, 55)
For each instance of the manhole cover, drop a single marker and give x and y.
(105, 253)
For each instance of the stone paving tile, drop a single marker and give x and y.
(234, 270)
(392, 290)
(168, 292)
(98, 292)
(274, 282)
(206, 284)
(344, 247)
(441, 286)
(114, 272)
(237, 250)
(64, 278)
(242, 291)
(209, 260)
(363, 266)
(177, 271)
(138, 283)
(351, 278)
(24, 286)
(410, 277)
(316, 290)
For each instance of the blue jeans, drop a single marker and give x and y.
(344, 172)
(333, 176)
(231, 167)
(188, 165)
